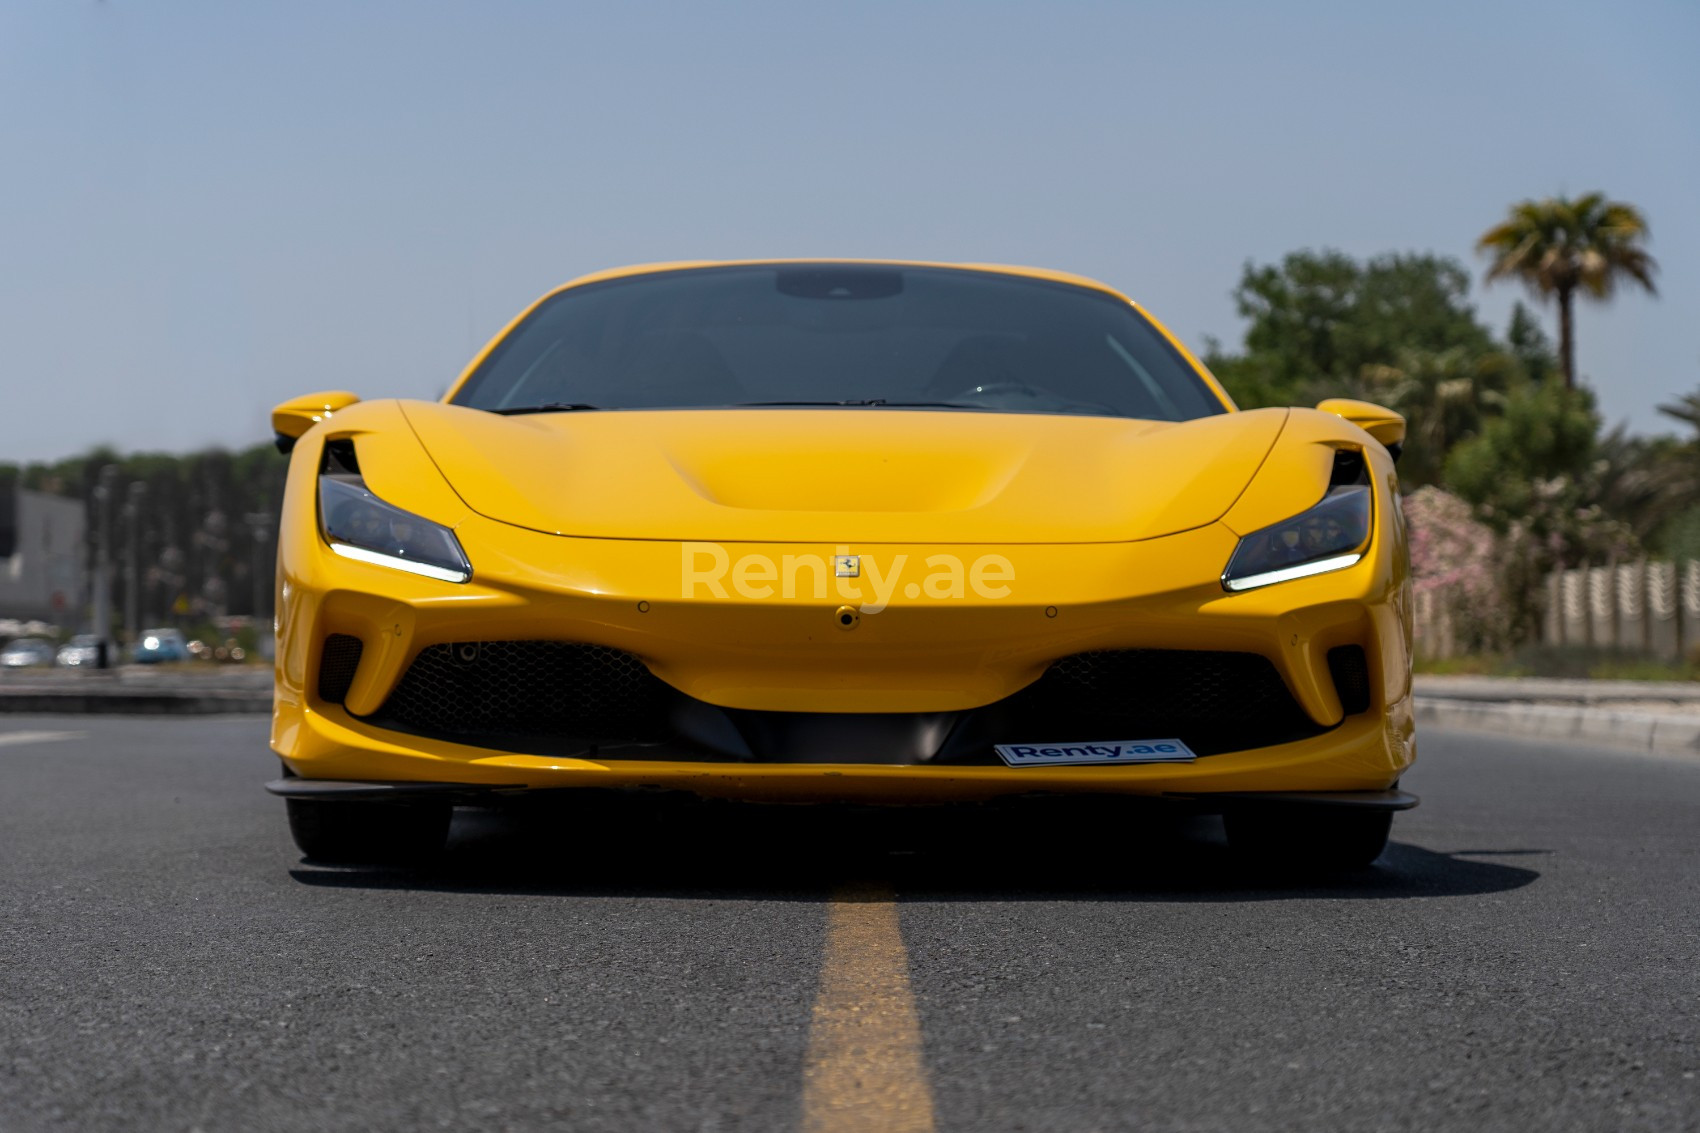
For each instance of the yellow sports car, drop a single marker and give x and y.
(879, 532)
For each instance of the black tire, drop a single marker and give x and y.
(361, 832)
(1320, 838)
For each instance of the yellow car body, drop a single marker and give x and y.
(1092, 535)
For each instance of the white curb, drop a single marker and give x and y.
(1637, 731)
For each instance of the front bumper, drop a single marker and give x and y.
(1366, 753)
(789, 655)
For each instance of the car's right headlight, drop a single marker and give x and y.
(358, 525)
(1330, 536)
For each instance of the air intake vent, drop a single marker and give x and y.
(1350, 670)
(337, 666)
(527, 688)
(1214, 701)
(1349, 468)
(340, 459)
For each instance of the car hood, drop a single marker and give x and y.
(845, 475)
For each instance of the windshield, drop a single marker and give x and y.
(839, 334)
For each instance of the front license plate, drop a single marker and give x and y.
(1102, 751)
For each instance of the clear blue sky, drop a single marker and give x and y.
(209, 207)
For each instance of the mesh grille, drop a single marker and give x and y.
(521, 694)
(527, 688)
(1213, 701)
(337, 666)
(1174, 683)
(1350, 670)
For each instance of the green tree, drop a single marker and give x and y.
(1530, 345)
(1678, 478)
(1533, 475)
(1644, 481)
(1687, 410)
(1444, 397)
(193, 542)
(1560, 246)
(1317, 319)
(1545, 437)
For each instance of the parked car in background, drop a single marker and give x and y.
(27, 653)
(81, 652)
(159, 645)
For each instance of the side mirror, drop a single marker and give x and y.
(293, 418)
(1378, 421)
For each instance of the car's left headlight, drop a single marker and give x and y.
(1330, 536)
(358, 525)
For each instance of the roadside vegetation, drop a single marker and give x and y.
(1510, 470)
(201, 526)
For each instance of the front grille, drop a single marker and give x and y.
(551, 697)
(1175, 683)
(337, 666)
(527, 688)
(1350, 670)
(1214, 701)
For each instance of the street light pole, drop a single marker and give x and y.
(133, 563)
(260, 526)
(103, 493)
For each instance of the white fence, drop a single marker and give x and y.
(1434, 626)
(1644, 607)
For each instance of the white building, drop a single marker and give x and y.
(41, 556)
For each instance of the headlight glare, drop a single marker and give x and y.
(1330, 536)
(358, 525)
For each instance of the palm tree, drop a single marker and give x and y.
(1687, 410)
(1559, 245)
(1684, 468)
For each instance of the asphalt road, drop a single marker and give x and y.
(1526, 956)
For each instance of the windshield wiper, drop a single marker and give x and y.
(854, 403)
(757, 404)
(927, 404)
(547, 407)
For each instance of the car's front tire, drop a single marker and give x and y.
(364, 832)
(1322, 838)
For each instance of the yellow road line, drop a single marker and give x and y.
(865, 1070)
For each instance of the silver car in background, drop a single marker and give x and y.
(27, 653)
(81, 652)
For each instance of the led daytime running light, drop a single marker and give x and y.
(361, 554)
(1302, 570)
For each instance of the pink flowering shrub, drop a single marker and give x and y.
(1456, 558)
